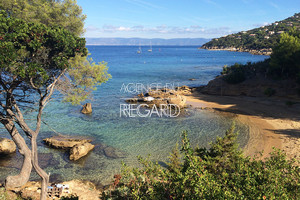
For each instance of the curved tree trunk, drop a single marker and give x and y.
(38, 169)
(21, 179)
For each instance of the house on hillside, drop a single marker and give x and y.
(271, 32)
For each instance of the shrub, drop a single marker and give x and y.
(270, 92)
(221, 172)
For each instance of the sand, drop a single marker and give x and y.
(271, 122)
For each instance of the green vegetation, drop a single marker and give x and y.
(65, 13)
(39, 54)
(221, 172)
(284, 63)
(270, 92)
(4, 195)
(258, 39)
(285, 59)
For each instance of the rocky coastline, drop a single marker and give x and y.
(266, 51)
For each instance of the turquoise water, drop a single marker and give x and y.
(130, 137)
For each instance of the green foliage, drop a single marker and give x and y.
(285, 59)
(34, 52)
(69, 198)
(220, 172)
(83, 75)
(64, 13)
(82, 79)
(270, 92)
(5, 196)
(235, 74)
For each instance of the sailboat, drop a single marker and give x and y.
(150, 50)
(139, 50)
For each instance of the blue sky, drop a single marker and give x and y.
(181, 18)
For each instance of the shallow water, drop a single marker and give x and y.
(126, 138)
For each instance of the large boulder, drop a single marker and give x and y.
(63, 142)
(87, 108)
(80, 150)
(7, 146)
(178, 100)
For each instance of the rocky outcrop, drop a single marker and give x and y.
(71, 189)
(63, 142)
(160, 96)
(265, 51)
(87, 108)
(254, 87)
(79, 147)
(7, 146)
(184, 90)
(80, 150)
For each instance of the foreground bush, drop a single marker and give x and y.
(221, 172)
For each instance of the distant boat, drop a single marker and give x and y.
(139, 50)
(150, 50)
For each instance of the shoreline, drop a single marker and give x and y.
(263, 52)
(271, 123)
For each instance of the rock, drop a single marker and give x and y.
(7, 146)
(87, 108)
(82, 189)
(113, 153)
(63, 142)
(55, 178)
(178, 100)
(80, 150)
(47, 159)
(253, 87)
(31, 190)
(162, 96)
(132, 100)
(184, 90)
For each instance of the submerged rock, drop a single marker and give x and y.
(47, 159)
(80, 150)
(113, 153)
(63, 142)
(7, 146)
(87, 108)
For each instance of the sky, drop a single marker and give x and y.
(180, 18)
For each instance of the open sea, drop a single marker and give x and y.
(125, 138)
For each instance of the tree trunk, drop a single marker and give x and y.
(38, 169)
(21, 179)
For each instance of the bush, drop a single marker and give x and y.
(270, 92)
(234, 74)
(221, 172)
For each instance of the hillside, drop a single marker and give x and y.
(144, 41)
(256, 41)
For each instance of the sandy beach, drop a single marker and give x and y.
(271, 122)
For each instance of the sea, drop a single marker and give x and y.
(119, 138)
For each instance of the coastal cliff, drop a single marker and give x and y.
(259, 41)
(257, 86)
